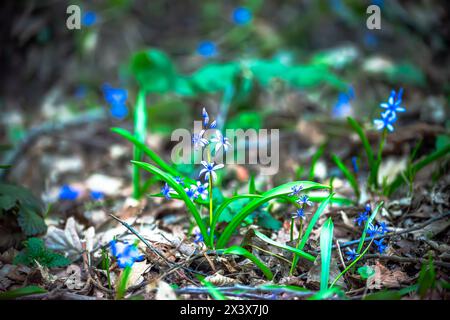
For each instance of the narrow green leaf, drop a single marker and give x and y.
(326, 244)
(367, 147)
(21, 292)
(427, 278)
(179, 189)
(277, 192)
(327, 293)
(251, 185)
(242, 252)
(314, 160)
(350, 177)
(300, 253)
(366, 226)
(140, 132)
(213, 291)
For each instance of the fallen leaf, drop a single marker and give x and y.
(385, 278)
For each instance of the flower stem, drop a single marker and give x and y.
(294, 259)
(351, 264)
(292, 229)
(378, 160)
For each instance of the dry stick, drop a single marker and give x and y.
(340, 254)
(148, 245)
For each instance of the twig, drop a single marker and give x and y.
(405, 259)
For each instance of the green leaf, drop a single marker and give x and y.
(348, 175)
(213, 291)
(326, 244)
(251, 184)
(427, 278)
(277, 192)
(296, 251)
(366, 272)
(35, 250)
(328, 293)
(30, 222)
(140, 132)
(242, 252)
(179, 189)
(21, 292)
(314, 160)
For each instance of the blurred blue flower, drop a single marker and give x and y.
(370, 40)
(242, 15)
(119, 111)
(221, 142)
(126, 254)
(97, 195)
(80, 91)
(165, 190)
(381, 247)
(89, 18)
(296, 190)
(386, 121)
(299, 214)
(201, 190)
(205, 117)
(67, 193)
(351, 254)
(343, 107)
(180, 180)
(382, 228)
(207, 49)
(355, 164)
(363, 216)
(394, 103)
(198, 237)
(372, 230)
(304, 200)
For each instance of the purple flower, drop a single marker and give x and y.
(299, 214)
(372, 230)
(382, 228)
(363, 216)
(304, 200)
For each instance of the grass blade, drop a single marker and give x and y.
(21, 292)
(242, 252)
(179, 189)
(326, 243)
(369, 221)
(277, 192)
(350, 177)
(140, 132)
(296, 251)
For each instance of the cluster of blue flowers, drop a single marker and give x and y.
(302, 201)
(240, 16)
(391, 108)
(125, 253)
(116, 98)
(372, 231)
(66, 192)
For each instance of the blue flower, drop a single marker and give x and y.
(394, 103)
(221, 142)
(296, 190)
(351, 254)
(201, 190)
(166, 191)
(119, 111)
(299, 214)
(205, 117)
(383, 228)
(372, 230)
(343, 107)
(355, 164)
(126, 254)
(191, 193)
(198, 237)
(207, 49)
(367, 208)
(363, 216)
(89, 18)
(180, 180)
(304, 200)
(114, 96)
(386, 121)
(97, 195)
(209, 170)
(67, 193)
(242, 16)
(198, 140)
(381, 247)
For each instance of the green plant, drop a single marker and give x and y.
(326, 244)
(140, 132)
(21, 292)
(36, 252)
(19, 203)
